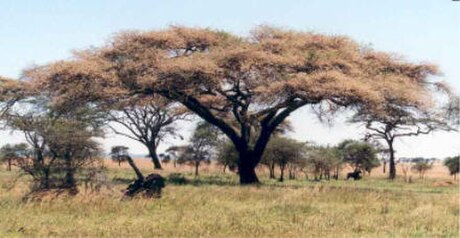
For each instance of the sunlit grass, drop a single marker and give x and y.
(213, 205)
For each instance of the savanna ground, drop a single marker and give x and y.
(214, 205)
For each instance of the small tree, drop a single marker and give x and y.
(360, 155)
(202, 148)
(322, 160)
(148, 121)
(10, 154)
(121, 153)
(227, 156)
(453, 164)
(172, 153)
(421, 167)
(283, 152)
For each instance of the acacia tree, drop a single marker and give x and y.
(13, 153)
(360, 155)
(148, 121)
(237, 83)
(283, 152)
(401, 118)
(202, 148)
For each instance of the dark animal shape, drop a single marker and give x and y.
(356, 175)
(151, 185)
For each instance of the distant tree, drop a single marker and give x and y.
(282, 152)
(121, 153)
(322, 160)
(202, 147)
(421, 167)
(171, 154)
(227, 156)
(10, 154)
(403, 117)
(453, 164)
(360, 155)
(147, 121)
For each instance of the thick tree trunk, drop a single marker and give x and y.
(153, 155)
(9, 165)
(392, 165)
(246, 168)
(46, 178)
(69, 179)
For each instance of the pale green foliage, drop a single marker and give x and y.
(360, 155)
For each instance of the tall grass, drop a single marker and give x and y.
(214, 205)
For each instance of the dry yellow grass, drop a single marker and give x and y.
(214, 205)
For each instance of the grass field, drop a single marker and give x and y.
(213, 205)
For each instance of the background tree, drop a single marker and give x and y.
(148, 121)
(202, 148)
(322, 160)
(10, 154)
(227, 156)
(453, 164)
(283, 152)
(360, 155)
(421, 167)
(61, 138)
(238, 83)
(121, 153)
(171, 153)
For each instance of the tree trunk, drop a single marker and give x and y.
(271, 169)
(392, 174)
(69, 180)
(246, 168)
(9, 165)
(197, 165)
(46, 178)
(282, 167)
(153, 155)
(384, 166)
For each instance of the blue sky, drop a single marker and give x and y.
(36, 32)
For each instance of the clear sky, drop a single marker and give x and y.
(37, 32)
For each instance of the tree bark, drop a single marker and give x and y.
(246, 168)
(46, 178)
(153, 155)
(392, 165)
(271, 169)
(69, 180)
(282, 167)
(9, 165)
(197, 165)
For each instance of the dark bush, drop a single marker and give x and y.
(177, 178)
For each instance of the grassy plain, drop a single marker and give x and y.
(213, 205)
